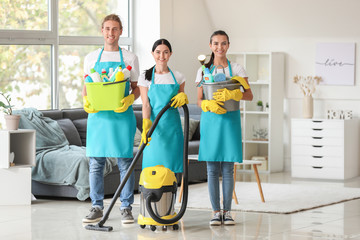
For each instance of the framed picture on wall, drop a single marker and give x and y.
(335, 63)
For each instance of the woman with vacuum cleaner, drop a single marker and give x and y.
(111, 133)
(158, 85)
(220, 130)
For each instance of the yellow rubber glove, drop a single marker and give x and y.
(127, 102)
(242, 81)
(87, 106)
(212, 106)
(179, 100)
(147, 123)
(224, 94)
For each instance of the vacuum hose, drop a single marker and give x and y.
(149, 199)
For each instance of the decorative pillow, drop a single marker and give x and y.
(81, 126)
(193, 124)
(137, 138)
(70, 131)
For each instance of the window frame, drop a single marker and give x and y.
(51, 37)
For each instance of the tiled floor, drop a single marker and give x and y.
(61, 219)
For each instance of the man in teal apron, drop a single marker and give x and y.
(111, 133)
(220, 131)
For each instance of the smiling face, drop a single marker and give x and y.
(161, 55)
(219, 45)
(111, 31)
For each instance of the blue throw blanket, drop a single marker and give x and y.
(57, 162)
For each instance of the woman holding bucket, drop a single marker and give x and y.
(111, 133)
(158, 85)
(220, 130)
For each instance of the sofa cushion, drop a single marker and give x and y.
(70, 131)
(137, 138)
(193, 125)
(81, 126)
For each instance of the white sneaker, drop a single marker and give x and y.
(216, 220)
(227, 218)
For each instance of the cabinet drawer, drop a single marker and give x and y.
(317, 150)
(307, 123)
(312, 172)
(317, 161)
(307, 140)
(317, 132)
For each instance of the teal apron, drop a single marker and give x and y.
(220, 135)
(167, 141)
(111, 134)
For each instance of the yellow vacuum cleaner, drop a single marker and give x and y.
(158, 183)
(158, 188)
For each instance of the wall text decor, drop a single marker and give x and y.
(335, 63)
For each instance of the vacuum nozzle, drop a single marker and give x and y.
(97, 227)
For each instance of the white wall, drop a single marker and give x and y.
(292, 27)
(146, 30)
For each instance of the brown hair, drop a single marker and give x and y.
(112, 17)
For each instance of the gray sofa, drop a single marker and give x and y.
(74, 122)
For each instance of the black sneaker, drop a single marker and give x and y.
(216, 220)
(95, 215)
(126, 216)
(227, 218)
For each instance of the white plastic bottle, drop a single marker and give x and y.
(126, 72)
(95, 76)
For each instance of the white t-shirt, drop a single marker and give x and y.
(113, 56)
(161, 79)
(237, 70)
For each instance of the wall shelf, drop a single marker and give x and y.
(265, 72)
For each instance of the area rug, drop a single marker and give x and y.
(279, 198)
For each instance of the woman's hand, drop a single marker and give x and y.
(213, 106)
(147, 123)
(225, 94)
(179, 100)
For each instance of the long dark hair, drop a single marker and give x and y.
(219, 32)
(148, 72)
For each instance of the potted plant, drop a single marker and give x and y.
(259, 105)
(11, 120)
(267, 107)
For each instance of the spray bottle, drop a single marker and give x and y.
(208, 77)
(95, 76)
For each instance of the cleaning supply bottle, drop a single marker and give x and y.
(208, 77)
(126, 72)
(113, 76)
(95, 76)
(111, 71)
(119, 76)
(87, 78)
(104, 77)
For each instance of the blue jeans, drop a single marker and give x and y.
(227, 172)
(96, 179)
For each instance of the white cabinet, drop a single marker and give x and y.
(266, 77)
(323, 148)
(15, 180)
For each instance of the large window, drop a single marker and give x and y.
(43, 44)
